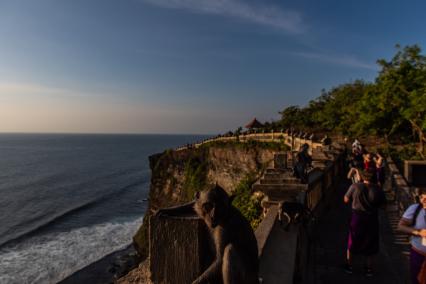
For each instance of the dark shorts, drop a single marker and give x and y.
(363, 233)
(416, 262)
(381, 175)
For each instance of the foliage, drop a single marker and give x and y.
(195, 175)
(244, 201)
(393, 106)
(398, 155)
(401, 92)
(251, 144)
(333, 110)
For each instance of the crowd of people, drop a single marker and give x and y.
(366, 196)
(361, 160)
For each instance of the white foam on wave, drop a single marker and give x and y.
(53, 257)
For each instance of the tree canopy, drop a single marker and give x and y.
(394, 106)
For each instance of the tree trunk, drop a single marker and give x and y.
(422, 144)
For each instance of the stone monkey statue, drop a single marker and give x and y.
(236, 253)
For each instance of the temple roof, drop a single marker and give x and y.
(254, 124)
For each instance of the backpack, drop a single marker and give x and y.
(371, 197)
(416, 213)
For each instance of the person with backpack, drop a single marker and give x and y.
(363, 238)
(413, 222)
(303, 161)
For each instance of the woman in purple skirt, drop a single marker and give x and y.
(363, 237)
(413, 222)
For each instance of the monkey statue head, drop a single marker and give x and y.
(212, 205)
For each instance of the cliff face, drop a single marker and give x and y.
(177, 175)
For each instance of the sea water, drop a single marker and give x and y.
(67, 200)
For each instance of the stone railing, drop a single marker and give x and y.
(404, 195)
(265, 227)
(293, 141)
(322, 182)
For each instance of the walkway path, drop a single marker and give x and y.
(328, 249)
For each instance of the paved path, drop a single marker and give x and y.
(275, 265)
(329, 245)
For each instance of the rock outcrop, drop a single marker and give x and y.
(177, 175)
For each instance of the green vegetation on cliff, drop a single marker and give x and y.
(251, 144)
(244, 201)
(195, 174)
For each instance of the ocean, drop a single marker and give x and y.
(67, 200)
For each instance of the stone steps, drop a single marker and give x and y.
(275, 194)
(279, 187)
(279, 180)
(279, 184)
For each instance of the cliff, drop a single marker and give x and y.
(177, 175)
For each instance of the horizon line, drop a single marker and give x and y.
(103, 133)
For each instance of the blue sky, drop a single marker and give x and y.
(185, 66)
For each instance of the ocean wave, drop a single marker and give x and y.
(51, 258)
(64, 179)
(48, 221)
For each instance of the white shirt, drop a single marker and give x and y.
(416, 241)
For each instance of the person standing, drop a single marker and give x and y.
(370, 163)
(363, 238)
(354, 175)
(413, 222)
(380, 170)
(303, 160)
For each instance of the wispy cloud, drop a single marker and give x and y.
(345, 60)
(28, 89)
(273, 16)
(7, 88)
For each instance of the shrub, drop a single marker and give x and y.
(244, 201)
(195, 176)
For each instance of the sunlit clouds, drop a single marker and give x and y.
(267, 15)
(338, 59)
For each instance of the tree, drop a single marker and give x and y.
(336, 110)
(393, 106)
(401, 96)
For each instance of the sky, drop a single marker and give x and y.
(186, 66)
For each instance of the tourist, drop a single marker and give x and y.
(326, 141)
(354, 175)
(369, 163)
(356, 145)
(303, 160)
(363, 237)
(357, 159)
(380, 169)
(413, 222)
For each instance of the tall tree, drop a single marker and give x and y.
(401, 95)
